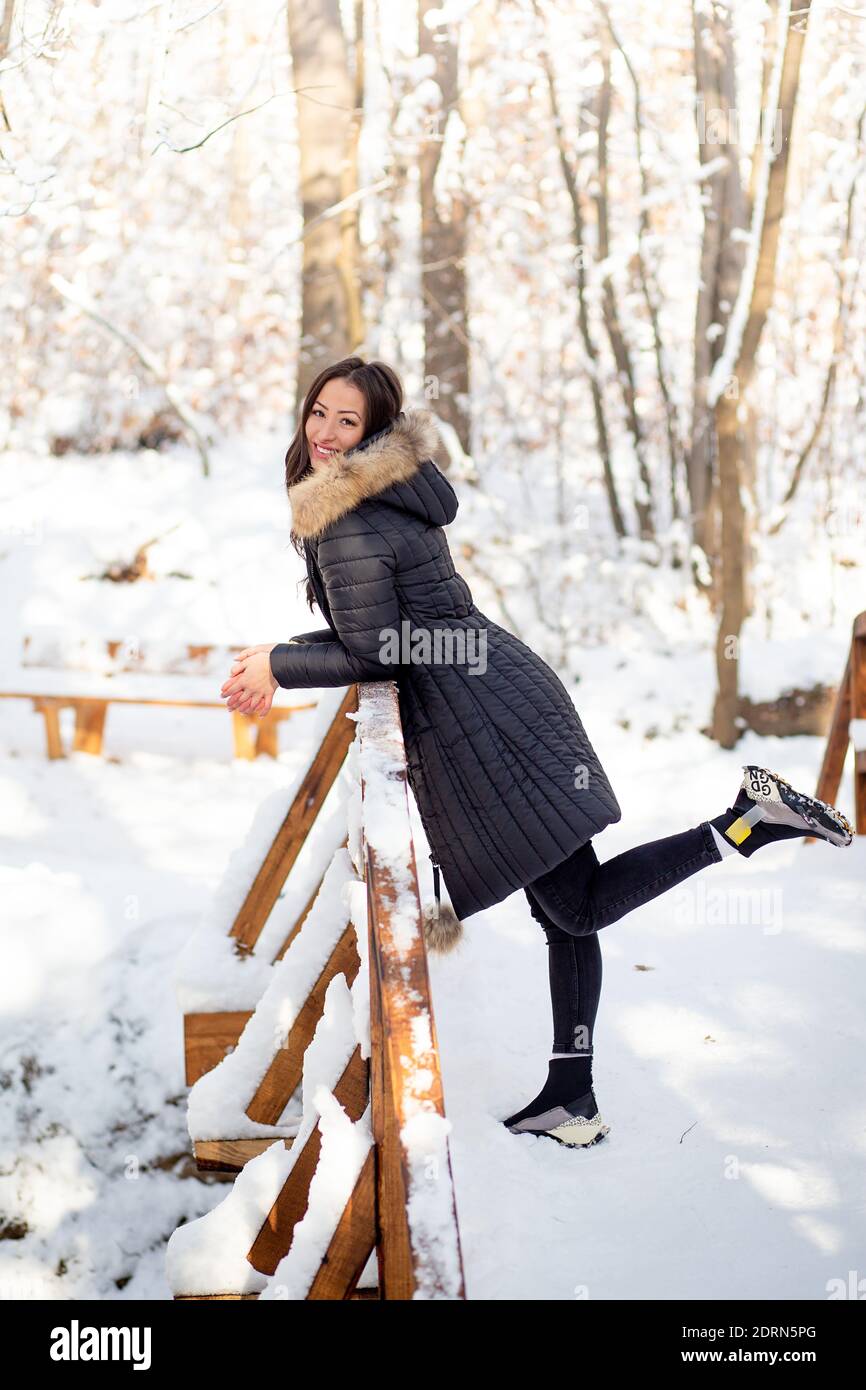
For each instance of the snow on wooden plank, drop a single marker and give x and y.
(218, 1101)
(409, 1083)
(208, 1257)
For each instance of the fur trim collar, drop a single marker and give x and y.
(341, 483)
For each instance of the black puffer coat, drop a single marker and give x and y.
(506, 780)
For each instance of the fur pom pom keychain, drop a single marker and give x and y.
(442, 927)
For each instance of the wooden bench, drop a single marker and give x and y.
(55, 675)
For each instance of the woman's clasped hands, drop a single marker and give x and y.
(250, 687)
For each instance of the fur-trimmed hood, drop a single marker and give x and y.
(395, 465)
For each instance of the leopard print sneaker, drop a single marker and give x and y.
(768, 809)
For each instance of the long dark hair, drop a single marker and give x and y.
(382, 390)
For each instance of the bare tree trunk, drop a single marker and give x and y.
(349, 260)
(565, 581)
(5, 36)
(749, 409)
(843, 310)
(721, 256)
(586, 334)
(397, 170)
(751, 418)
(6, 27)
(443, 240)
(326, 96)
(733, 372)
(236, 229)
(771, 26)
(610, 311)
(649, 289)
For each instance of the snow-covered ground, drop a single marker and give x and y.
(731, 1029)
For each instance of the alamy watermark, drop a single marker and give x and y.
(77, 1343)
(439, 646)
(729, 906)
(719, 126)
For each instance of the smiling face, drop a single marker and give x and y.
(336, 421)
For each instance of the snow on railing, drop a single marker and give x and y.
(426, 1262)
(365, 1168)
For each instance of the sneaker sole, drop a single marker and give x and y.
(576, 1139)
(573, 1135)
(785, 806)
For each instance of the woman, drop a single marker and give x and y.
(509, 788)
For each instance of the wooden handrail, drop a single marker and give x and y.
(418, 1254)
(402, 1205)
(850, 704)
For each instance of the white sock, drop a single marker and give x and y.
(724, 845)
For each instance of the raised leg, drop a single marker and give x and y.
(581, 895)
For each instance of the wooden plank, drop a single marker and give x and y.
(208, 1038)
(242, 734)
(283, 1076)
(837, 741)
(91, 710)
(304, 913)
(267, 736)
(90, 713)
(230, 1155)
(300, 920)
(275, 1237)
(89, 726)
(393, 1251)
(211, 1297)
(850, 704)
(352, 1243)
(858, 711)
(301, 815)
(406, 1076)
(51, 651)
(50, 711)
(277, 712)
(201, 654)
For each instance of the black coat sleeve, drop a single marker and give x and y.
(358, 572)
(320, 634)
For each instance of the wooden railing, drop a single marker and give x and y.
(848, 725)
(209, 1036)
(401, 1204)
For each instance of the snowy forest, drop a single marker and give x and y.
(616, 247)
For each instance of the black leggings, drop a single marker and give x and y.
(580, 895)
